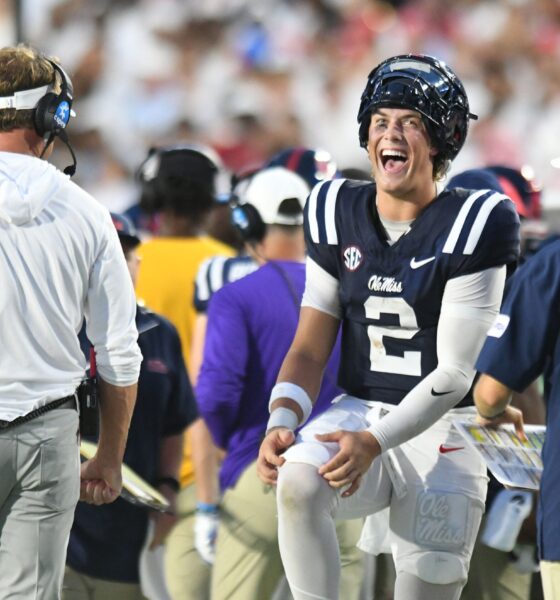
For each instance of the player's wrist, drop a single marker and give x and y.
(282, 418)
(378, 438)
(297, 395)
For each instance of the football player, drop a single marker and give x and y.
(415, 279)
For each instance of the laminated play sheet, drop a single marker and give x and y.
(512, 462)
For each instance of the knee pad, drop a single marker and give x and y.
(436, 567)
(436, 531)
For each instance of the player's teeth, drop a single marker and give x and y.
(396, 153)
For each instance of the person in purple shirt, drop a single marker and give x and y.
(251, 323)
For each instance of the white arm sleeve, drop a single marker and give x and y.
(321, 290)
(468, 308)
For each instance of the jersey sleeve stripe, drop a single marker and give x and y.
(217, 273)
(202, 284)
(330, 211)
(480, 221)
(455, 232)
(312, 213)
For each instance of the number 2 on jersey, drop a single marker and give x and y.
(409, 363)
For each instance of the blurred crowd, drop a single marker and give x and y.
(249, 78)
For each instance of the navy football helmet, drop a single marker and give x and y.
(313, 165)
(523, 190)
(424, 84)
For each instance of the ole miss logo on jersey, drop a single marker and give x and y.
(353, 257)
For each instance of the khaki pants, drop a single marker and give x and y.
(248, 564)
(493, 577)
(39, 489)
(550, 575)
(81, 587)
(187, 576)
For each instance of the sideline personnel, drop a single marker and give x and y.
(60, 262)
(106, 541)
(523, 343)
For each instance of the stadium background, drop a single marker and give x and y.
(252, 76)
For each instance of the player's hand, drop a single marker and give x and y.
(273, 445)
(99, 483)
(163, 522)
(511, 415)
(205, 532)
(357, 451)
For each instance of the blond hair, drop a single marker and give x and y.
(21, 68)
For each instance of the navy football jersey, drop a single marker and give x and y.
(391, 295)
(215, 272)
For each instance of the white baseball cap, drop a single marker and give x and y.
(268, 188)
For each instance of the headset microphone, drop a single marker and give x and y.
(70, 169)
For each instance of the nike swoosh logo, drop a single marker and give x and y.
(445, 449)
(416, 264)
(434, 393)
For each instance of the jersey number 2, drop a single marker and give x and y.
(409, 363)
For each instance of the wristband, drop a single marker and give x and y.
(294, 392)
(169, 481)
(282, 417)
(206, 508)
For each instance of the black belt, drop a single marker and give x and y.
(66, 402)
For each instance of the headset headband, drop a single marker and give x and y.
(28, 99)
(25, 99)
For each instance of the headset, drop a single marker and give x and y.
(247, 221)
(52, 111)
(250, 218)
(245, 218)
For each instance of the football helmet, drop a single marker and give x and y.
(424, 84)
(314, 165)
(523, 190)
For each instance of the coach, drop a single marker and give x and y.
(60, 262)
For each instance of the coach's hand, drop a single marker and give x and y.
(510, 415)
(357, 451)
(99, 483)
(274, 444)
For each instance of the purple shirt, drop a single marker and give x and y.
(251, 324)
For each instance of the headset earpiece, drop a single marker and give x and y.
(53, 110)
(248, 222)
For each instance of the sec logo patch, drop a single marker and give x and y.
(353, 257)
